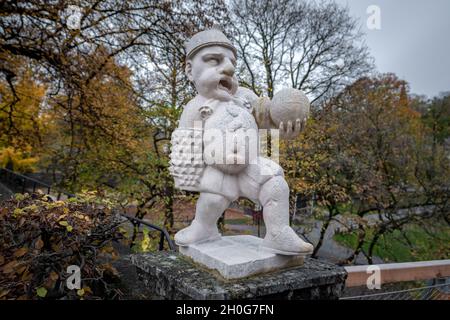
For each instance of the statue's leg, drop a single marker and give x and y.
(209, 208)
(274, 197)
(280, 238)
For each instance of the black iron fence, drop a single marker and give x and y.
(22, 184)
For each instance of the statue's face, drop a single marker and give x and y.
(212, 72)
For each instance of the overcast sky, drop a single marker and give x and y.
(413, 42)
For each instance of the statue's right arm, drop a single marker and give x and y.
(189, 116)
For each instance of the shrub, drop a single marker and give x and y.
(40, 238)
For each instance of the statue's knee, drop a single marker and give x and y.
(275, 189)
(212, 201)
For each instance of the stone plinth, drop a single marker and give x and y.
(238, 257)
(170, 275)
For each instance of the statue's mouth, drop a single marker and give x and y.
(226, 84)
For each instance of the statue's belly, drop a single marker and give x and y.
(230, 138)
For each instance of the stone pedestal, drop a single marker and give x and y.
(170, 275)
(237, 257)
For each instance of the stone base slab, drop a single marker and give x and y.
(170, 275)
(236, 257)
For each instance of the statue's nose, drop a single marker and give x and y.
(228, 68)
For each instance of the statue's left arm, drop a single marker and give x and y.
(261, 112)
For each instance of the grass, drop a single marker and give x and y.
(394, 247)
(247, 221)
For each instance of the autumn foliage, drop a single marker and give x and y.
(40, 238)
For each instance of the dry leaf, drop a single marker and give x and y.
(9, 267)
(21, 270)
(39, 244)
(4, 293)
(20, 252)
(54, 276)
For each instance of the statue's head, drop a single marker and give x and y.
(210, 65)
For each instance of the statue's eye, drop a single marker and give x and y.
(214, 61)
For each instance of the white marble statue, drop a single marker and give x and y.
(223, 170)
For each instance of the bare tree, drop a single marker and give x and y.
(315, 47)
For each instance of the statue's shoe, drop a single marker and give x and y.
(287, 242)
(196, 233)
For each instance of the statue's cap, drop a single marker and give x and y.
(207, 38)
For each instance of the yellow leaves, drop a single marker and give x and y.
(56, 204)
(20, 196)
(81, 216)
(21, 161)
(69, 228)
(32, 208)
(64, 223)
(84, 291)
(145, 243)
(80, 292)
(17, 212)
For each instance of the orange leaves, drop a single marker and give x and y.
(361, 148)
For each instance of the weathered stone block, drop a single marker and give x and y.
(169, 275)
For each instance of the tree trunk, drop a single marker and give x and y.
(323, 230)
(168, 208)
(374, 241)
(361, 237)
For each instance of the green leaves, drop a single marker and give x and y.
(63, 223)
(41, 292)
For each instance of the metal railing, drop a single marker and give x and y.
(23, 182)
(163, 232)
(432, 292)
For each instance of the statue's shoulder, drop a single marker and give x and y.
(191, 112)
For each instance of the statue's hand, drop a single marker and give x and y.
(291, 130)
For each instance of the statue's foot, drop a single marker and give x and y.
(287, 242)
(196, 233)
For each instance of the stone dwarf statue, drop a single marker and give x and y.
(222, 106)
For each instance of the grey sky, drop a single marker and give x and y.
(413, 42)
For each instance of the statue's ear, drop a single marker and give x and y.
(188, 70)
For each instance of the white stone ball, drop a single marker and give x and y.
(289, 105)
